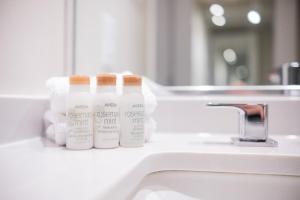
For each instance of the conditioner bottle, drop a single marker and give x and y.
(132, 112)
(106, 112)
(79, 114)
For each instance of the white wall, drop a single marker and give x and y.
(31, 44)
(110, 36)
(173, 49)
(285, 31)
(199, 43)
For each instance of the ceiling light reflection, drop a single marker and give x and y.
(218, 20)
(216, 10)
(230, 56)
(254, 17)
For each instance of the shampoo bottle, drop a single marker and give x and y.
(79, 114)
(132, 112)
(106, 112)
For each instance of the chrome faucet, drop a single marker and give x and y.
(253, 123)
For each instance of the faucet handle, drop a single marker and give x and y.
(253, 121)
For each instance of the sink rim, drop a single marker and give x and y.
(204, 162)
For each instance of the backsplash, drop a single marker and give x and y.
(195, 116)
(21, 117)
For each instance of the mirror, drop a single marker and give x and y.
(187, 42)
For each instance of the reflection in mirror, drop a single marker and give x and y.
(189, 42)
(239, 41)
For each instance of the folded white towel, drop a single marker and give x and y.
(51, 117)
(57, 133)
(58, 88)
(50, 133)
(150, 128)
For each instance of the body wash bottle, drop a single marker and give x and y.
(106, 112)
(132, 112)
(79, 114)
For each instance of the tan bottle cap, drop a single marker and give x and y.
(79, 80)
(132, 80)
(106, 79)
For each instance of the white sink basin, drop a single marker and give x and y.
(205, 166)
(188, 185)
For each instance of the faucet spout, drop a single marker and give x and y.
(253, 120)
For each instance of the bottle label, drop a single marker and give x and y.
(133, 124)
(107, 125)
(80, 123)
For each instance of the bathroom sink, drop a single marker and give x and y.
(173, 166)
(189, 185)
(207, 166)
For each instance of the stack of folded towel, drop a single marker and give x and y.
(55, 117)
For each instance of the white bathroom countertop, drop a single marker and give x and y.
(35, 169)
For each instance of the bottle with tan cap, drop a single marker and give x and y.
(132, 112)
(79, 114)
(106, 112)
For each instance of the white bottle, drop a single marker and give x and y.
(132, 112)
(79, 114)
(106, 112)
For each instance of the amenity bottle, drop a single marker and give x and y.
(79, 114)
(132, 112)
(106, 112)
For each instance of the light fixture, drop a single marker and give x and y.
(254, 17)
(294, 64)
(230, 56)
(218, 20)
(216, 10)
